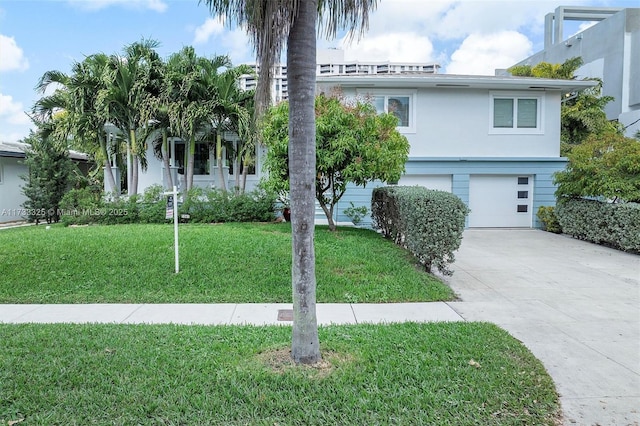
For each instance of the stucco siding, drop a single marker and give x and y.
(11, 196)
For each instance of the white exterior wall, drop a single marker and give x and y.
(11, 196)
(468, 132)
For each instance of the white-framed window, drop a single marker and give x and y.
(400, 103)
(516, 113)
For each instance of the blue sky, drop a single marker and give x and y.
(464, 36)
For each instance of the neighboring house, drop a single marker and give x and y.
(492, 141)
(610, 50)
(12, 156)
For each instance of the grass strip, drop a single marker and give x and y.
(418, 374)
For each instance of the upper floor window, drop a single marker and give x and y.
(400, 103)
(515, 113)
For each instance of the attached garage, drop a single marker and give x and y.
(500, 201)
(439, 182)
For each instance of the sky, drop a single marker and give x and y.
(463, 36)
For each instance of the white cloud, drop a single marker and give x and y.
(470, 17)
(11, 111)
(12, 55)
(584, 26)
(155, 5)
(395, 47)
(211, 27)
(234, 42)
(482, 54)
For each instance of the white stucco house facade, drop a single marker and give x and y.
(493, 141)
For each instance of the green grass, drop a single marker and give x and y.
(402, 374)
(219, 263)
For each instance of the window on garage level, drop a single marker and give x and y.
(512, 113)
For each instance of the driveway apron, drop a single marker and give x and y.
(574, 304)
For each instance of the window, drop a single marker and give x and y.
(397, 102)
(200, 158)
(514, 113)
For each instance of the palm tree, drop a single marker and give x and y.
(189, 99)
(131, 79)
(77, 96)
(230, 112)
(271, 23)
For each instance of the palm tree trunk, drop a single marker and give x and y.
(301, 65)
(191, 162)
(134, 163)
(165, 159)
(245, 172)
(107, 167)
(222, 184)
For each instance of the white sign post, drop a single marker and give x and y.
(172, 212)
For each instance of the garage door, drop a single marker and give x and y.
(439, 182)
(500, 201)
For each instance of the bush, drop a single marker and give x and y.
(428, 223)
(80, 206)
(615, 225)
(547, 216)
(153, 205)
(355, 214)
(202, 205)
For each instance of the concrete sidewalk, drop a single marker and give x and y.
(226, 313)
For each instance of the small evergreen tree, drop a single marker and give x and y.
(50, 172)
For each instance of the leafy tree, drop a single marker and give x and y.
(49, 178)
(353, 145)
(605, 165)
(582, 114)
(271, 24)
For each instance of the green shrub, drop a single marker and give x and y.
(355, 214)
(615, 225)
(547, 216)
(81, 206)
(428, 223)
(153, 205)
(202, 205)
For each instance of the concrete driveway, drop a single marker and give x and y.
(574, 304)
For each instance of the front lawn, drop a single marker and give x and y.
(223, 263)
(403, 374)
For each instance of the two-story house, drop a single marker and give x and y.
(492, 141)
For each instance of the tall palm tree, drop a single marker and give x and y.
(231, 112)
(131, 79)
(271, 23)
(77, 96)
(189, 100)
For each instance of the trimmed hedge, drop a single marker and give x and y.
(615, 225)
(428, 223)
(85, 206)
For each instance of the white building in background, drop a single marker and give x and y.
(332, 62)
(610, 50)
